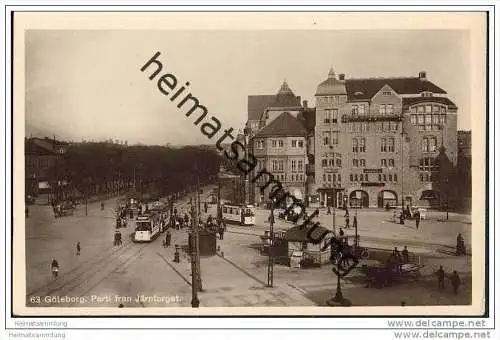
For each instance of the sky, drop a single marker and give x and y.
(87, 84)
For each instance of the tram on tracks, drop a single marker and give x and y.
(149, 226)
(239, 214)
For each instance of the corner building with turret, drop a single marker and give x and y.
(369, 142)
(384, 141)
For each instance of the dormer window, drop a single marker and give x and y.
(358, 93)
(426, 94)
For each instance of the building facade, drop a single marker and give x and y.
(464, 170)
(41, 158)
(384, 141)
(369, 142)
(279, 141)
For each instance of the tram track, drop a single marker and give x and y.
(76, 274)
(91, 261)
(118, 260)
(88, 274)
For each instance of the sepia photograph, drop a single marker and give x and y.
(304, 166)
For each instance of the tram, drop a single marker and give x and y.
(239, 214)
(149, 226)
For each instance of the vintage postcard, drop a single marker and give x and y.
(218, 163)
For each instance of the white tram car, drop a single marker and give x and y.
(239, 214)
(149, 226)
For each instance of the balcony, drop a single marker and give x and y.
(372, 118)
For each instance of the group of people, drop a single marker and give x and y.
(405, 214)
(397, 258)
(454, 279)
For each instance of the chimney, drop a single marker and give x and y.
(342, 76)
(298, 99)
(422, 75)
(304, 104)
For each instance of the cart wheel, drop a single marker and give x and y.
(364, 254)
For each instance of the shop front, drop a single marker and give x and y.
(387, 198)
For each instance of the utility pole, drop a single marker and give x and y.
(334, 213)
(402, 166)
(270, 263)
(356, 242)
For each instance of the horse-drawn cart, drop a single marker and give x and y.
(379, 276)
(64, 209)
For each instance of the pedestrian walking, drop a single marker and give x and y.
(117, 238)
(355, 222)
(406, 255)
(460, 249)
(341, 232)
(206, 207)
(329, 211)
(54, 267)
(397, 258)
(440, 277)
(455, 282)
(417, 218)
(78, 248)
(347, 221)
(102, 205)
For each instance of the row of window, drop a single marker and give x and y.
(330, 138)
(279, 143)
(359, 163)
(297, 165)
(331, 178)
(359, 144)
(428, 164)
(384, 163)
(428, 121)
(337, 162)
(386, 109)
(428, 109)
(381, 177)
(428, 177)
(329, 99)
(429, 144)
(380, 126)
(331, 116)
(282, 177)
(279, 165)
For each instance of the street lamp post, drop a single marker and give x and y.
(338, 299)
(270, 264)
